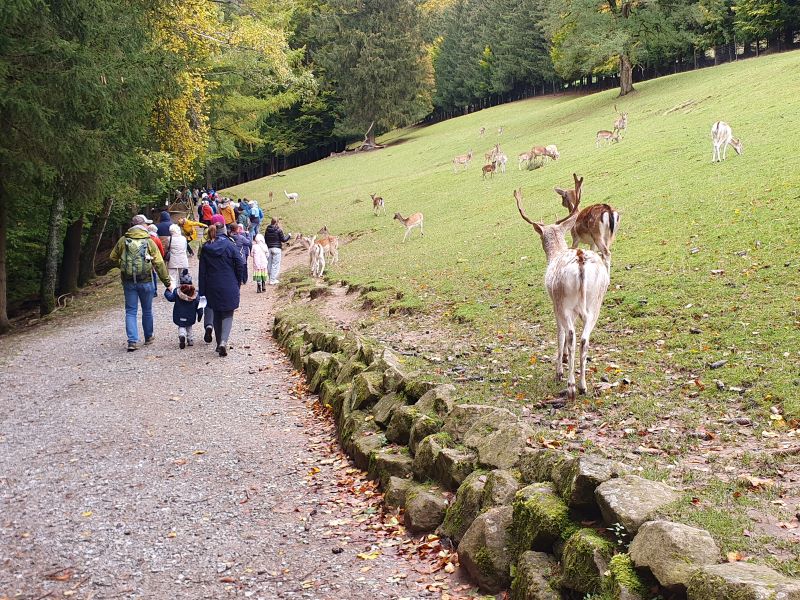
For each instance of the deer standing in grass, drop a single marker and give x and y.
(604, 135)
(377, 204)
(329, 243)
(621, 124)
(490, 168)
(293, 196)
(721, 138)
(492, 155)
(412, 221)
(316, 254)
(576, 281)
(463, 159)
(596, 225)
(544, 152)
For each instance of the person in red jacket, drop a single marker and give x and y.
(153, 230)
(206, 213)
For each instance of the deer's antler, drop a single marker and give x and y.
(518, 198)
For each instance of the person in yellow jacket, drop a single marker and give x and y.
(190, 232)
(137, 256)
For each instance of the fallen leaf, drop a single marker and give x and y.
(86, 513)
(734, 556)
(199, 452)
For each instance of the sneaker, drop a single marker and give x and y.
(132, 346)
(207, 336)
(222, 350)
(150, 340)
(182, 341)
(190, 342)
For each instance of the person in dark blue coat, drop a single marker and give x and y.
(242, 240)
(163, 225)
(221, 274)
(188, 308)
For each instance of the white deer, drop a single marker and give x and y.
(576, 281)
(721, 138)
(462, 159)
(316, 254)
(293, 196)
(412, 221)
(500, 162)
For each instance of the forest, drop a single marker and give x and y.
(107, 107)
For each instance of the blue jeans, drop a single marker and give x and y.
(134, 293)
(254, 228)
(274, 264)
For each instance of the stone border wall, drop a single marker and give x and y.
(547, 524)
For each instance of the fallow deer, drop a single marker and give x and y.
(463, 159)
(412, 221)
(544, 152)
(621, 124)
(721, 138)
(576, 281)
(490, 156)
(525, 157)
(481, 131)
(377, 204)
(490, 168)
(604, 135)
(329, 243)
(596, 225)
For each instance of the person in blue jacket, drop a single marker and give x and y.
(242, 240)
(188, 308)
(221, 274)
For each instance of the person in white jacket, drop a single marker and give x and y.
(176, 249)
(260, 260)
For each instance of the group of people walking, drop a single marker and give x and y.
(148, 252)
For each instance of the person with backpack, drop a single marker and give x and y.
(256, 214)
(137, 256)
(243, 242)
(219, 279)
(188, 308)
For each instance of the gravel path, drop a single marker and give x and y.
(168, 473)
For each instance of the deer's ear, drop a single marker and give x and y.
(560, 192)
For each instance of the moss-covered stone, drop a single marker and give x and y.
(585, 560)
(534, 577)
(383, 409)
(354, 424)
(623, 581)
(394, 492)
(577, 478)
(425, 508)
(327, 390)
(349, 370)
(416, 387)
(464, 416)
(421, 427)
(390, 462)
(453, 465)
(540, 517)
(632, 500)
(297, 349)
(366, 390)
(501, 448)
(362, 447)
(427, 452)
(318, 366)
(465, 507)
(501, 487)
(537, 464)
(484, 549)
(438, 401)
(741, 581)
(399, 429)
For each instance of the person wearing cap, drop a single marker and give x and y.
(139, 289)
(188, 308)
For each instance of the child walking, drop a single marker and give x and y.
(260, 259)
(188, 308)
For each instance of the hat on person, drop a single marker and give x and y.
(186, 277)
(140, 220)
(152, 228)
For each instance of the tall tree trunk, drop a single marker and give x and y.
(68, 275)
(89, 251)
(625, 75)
(47, 290)
(4, 324)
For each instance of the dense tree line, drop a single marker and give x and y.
(109, 105)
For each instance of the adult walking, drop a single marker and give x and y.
(178, 257)
(275, 239)
(189, 229)
(243, 242)
(137, 256)
(256, 214)
(221, 270)
(162, 229)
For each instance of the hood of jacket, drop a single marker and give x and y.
(190, 297)
(164, 216)
(137, 233)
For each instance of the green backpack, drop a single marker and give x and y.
(135, 263)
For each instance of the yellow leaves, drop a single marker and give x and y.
(369, 555)
(86, 514)
(172, 534)
(734, 556)
(199, 452)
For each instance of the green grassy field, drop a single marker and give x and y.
(667, 316)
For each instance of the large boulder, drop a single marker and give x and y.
(532, 577)
(672, 551)
(383, 409)
(394, 492)
(366, 390)
(540, 518)
(438, 401)
(536, 464)
(501, 487)
(465, 507)
(484, 552)
(632, 500)
(585, 561)
(390, 462)
(577, 478)
(741, 581)
(425, 508)
(501, 448)
(421, 427)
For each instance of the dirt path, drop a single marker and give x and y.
(168, 473)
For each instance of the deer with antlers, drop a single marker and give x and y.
(412, 221)
(621, 123)
(596, 225)
(576, 281)
(378, 204)
(463, 160)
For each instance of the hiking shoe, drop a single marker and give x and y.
(190, 342)
(222, 350)
(207, 336)
(132, 346)
(150, 340)
(182, 341)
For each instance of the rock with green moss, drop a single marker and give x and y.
(438, 401)
(536, 464)
(363, 446)
(534, 576)
(484, 549)
(453, 465)
(322, 371)
(417, 386)
(315, 361)
(399, 429)
(501, 448)
(340, 402)
(390, 462)
(540, 518)
(632, 500)
(481, 423)
(585, 561)
(426, 453)
(673, 551)
(354, 424)
(464, 416)
(394, 491)
(349, 370)
(383, 409)
(466, 506)
(501, 487)
(297, 349)
(576, 479)
(365, 351)
(741, 581)
(624, 582)
(421, 427)
(327, 391)
(366, 390)
(425, 508)
(390, 366)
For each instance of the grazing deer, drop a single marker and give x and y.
(411, 222)
(607, 136)
(596, 225)
(544, 152)
(525, 157)
(499, 131)
(621, 124)
(722, 137)
(377, 204)
(576, 281)
(481, 131)
(293, 196)
(270, 197)
(490, 157)
(490, 168)
(463, 159)
(329, 243)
